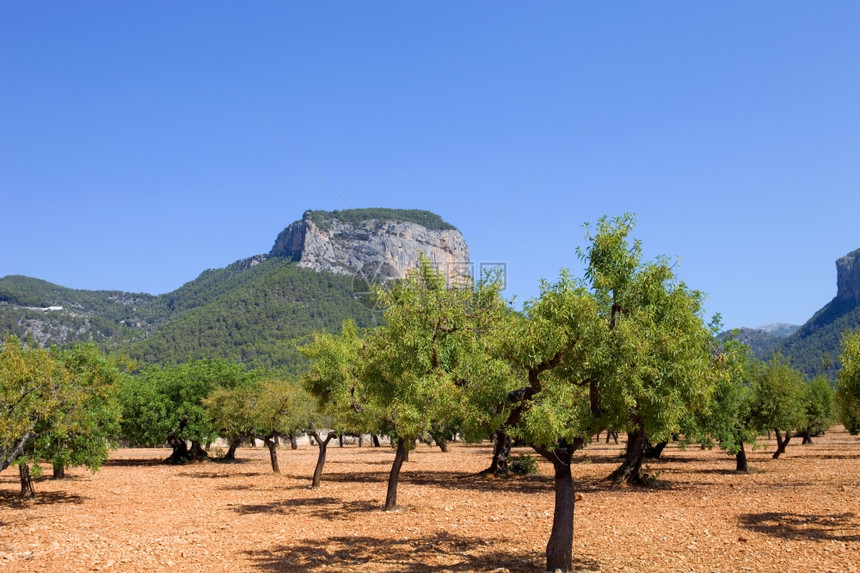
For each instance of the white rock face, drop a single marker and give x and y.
(380, 249)
(848, 277)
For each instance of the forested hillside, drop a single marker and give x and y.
(814, 348)
(260, 322)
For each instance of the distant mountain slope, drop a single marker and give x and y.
(815, 347)
(260, 322)
(255, 310)
(760, 340)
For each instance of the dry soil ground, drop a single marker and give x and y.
(799, 513)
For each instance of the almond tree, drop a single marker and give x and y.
(777, 403)
(333, 381)
(30, 382)
(166, 403)
(626, 348)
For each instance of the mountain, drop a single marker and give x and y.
(816, 346)
(764, 339)
(255, 310)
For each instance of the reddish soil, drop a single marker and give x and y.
(799, 513)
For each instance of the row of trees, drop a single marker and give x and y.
(624, 348)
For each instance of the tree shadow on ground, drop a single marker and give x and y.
(216, 475)
(328, 508)
(431, 554)
(12, 500)
(843, 527)
(230, 462)
(469, 481)
(133, 462)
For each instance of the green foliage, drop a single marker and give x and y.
(848, 383)
(169, 400)
(819, 402)
(657, 361)
(524, 464)
(260, 409)
(426, 219)
(778, 395)
(58, 406)
(29, 395)
(727, 418)
(85, 424)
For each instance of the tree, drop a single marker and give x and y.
(727, 417)
(85, 424)
(778, 399)
(626, 348)
(58, 406)
(658, 350)
(848, 382)
(819, 408)
(266, 410)
(166, 403)
(333, 380)
(28, 396)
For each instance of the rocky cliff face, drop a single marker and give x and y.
(848, 278)
(377, 244)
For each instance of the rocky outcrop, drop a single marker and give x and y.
(378, 244)
(848, 278)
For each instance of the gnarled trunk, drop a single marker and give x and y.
(231, 451)
(197, 453)
(741, 459)
(781, 443)
(653, 452)
(59, 471)
(323, 446)
(272, 443)
(27, 489)
(293, 443)
(375, 439)
(501, 453)
(630, 471)
(180, 450)
(394, 475)
(807, 437)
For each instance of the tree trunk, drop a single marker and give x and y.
(780, 443)
(559, 548)
(501, 453)
(323, 445)
(180, 450)
(375, 440)
(440, 440)
(27, 490)
(807, 437)
(394, 475)
(741, 458)
(197, 453)
(360, 440)
(231, 451)
(654, 452)
(294, 445)
(611, 434)
(630, 472)
(340, 440)
(59, 471)
(272, 444)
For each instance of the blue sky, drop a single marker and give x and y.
(133, 155)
